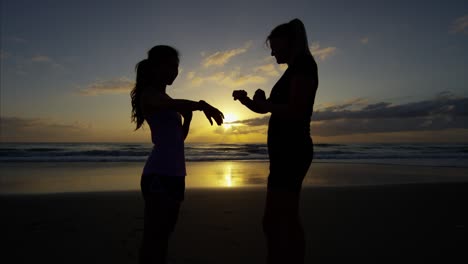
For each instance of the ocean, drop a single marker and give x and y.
(451, 155)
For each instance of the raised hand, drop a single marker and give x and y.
(212, 113)
(259, 96)
(239, 94)
(259, 103)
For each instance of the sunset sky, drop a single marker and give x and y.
(389, 71)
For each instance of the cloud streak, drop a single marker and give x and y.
(444, 111)
(460, 25)
(220, 58)
(41, 58)
(46, 60)
(4, 55)
(322, 53)
(16, 39)
(267, 69)
(444, 104)
(231, 79)
(37, 129)
(239, 130)
(116, 86)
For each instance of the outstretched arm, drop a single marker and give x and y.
(154, 102)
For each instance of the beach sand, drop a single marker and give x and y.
(375, 223)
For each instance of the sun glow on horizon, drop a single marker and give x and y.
(228, 118)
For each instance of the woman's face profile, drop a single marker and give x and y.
(280, 49)
(169, 70)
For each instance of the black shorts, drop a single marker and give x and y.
(163, 196)
(288, 172)
(170, 187)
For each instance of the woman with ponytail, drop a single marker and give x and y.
(290, 146)
(163, 177)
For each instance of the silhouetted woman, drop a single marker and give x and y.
(163, 177)
(290, 146)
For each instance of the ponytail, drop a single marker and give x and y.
(142, 71)
(300, 43)
(294, 31)
(145, 76)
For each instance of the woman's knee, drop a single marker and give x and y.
(276, 221)
(268, 224)
(281, 213)
(161, 220)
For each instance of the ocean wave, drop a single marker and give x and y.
(123, 152)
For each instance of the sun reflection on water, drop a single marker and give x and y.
(228, 176)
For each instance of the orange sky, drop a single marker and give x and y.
(377, 82)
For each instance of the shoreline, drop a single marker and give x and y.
(237, 189)
(118, 176)
(391, 162)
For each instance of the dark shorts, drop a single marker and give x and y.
(287, 172)
(163, 196)
(170, 187)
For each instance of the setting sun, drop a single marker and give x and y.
(229, 118)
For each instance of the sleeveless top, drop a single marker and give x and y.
(286, 133)
(167, 157)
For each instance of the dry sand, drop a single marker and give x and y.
(371, 223)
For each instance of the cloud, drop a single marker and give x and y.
(4, 55)
(460, 25)
(41, 58)
(443, 104)
(199, 80)
(259, 121)
(220, 58)
(117, 86)
(240, 130)
(16, 39)
(444, 111)
(37, 129)
(283, 67)
(357, 116)
(190, 75)
(231, 79)
(348, 104)
(364, 40)
(387, 125)
(272, 60)
(45, 59)
(267, 69)
(322, 53)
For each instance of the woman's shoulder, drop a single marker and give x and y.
(152, 95)
(304, 65)
(148, 92)
(306, 61)
(151, 101)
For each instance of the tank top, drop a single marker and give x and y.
(285, 133)
(167, 157)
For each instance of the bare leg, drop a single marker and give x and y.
(159, 222)
(283, 229)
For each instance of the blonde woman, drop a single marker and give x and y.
(290, 146)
